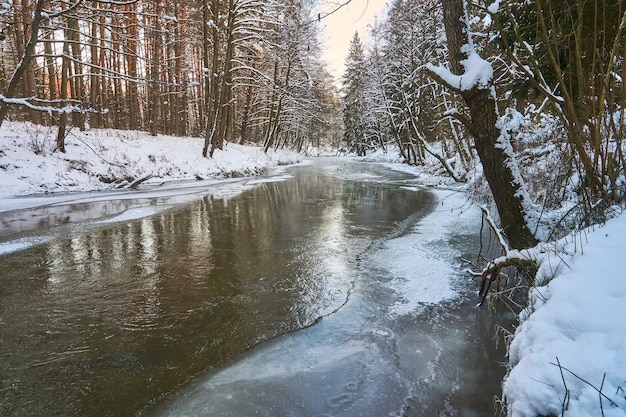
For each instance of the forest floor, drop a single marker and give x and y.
(567, 356)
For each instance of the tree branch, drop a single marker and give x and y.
(433, 71)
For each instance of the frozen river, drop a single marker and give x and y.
(335, 290)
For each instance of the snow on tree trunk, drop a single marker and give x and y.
(472, 78)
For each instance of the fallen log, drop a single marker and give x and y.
(135, 183)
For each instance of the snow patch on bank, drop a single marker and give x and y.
(580, 318)
(22, 243)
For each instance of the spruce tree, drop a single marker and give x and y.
(354, 108)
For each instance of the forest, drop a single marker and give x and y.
(532, 90)
(520, 101)
(232, 70)
(529, 95)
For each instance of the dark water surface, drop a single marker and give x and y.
(260, 304)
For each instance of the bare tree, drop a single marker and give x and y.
(209, 66)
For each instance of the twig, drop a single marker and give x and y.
(472, 264)
(324, 15)
(492, 273)
(585, 381)
(599, 395)
(565, 403)
(496, 230)
(482, 226)
(541, 382)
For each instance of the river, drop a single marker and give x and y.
(335, 290)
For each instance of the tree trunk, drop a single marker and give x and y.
(77, 90)
(26, 59)
(483, 125)
(52, 84)
(132, 95)
(245, 117)
(62, 121)
(154, 93)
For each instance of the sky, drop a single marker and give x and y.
(340, 27)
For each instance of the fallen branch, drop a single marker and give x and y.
(493, 272)
(135, 183)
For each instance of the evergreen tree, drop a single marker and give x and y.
(354, 109)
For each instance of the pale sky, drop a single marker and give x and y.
(341, 25)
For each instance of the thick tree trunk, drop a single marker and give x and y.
(483, 125)
(504, 186)
(52, 84)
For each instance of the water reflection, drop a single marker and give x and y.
(105, 319)
(46, 217)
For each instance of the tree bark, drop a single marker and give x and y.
(154, 93)
(62, 121)
(483, 125)
(132, 45)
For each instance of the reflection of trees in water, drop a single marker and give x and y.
(46, 217)
(146, 304)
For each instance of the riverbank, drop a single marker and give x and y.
(104, 159)
(577, 318)
(566, 357)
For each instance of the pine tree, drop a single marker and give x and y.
(354, 110)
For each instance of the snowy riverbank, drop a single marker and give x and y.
(569, 354)
(578, 317)
(102, 159)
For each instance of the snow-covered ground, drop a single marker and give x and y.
(101, 159)
(578, 319)
(569, 353)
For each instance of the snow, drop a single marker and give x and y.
(418, 261)
(100, 159)
(578, 320)
(575, 319)
(111, 162)
(22, 243)
(477, 73)
(512, 121)
(494, 7)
